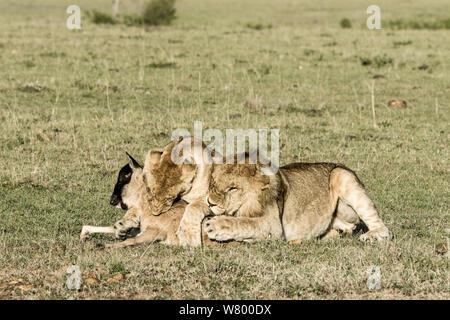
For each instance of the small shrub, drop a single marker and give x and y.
(378, 61)
(401, 24)
(330, 44)
(159, 12)
(402, 43)
(98, 17)
(156, 12)
(53, 54)
(161, 65)
(132, 19)
(381, 61)
(346, 23)
(258, 26)
(365, 61)
(29, 64)
(117, 267)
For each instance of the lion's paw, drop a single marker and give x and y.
(123, 227)
(220, 228)
(375, 235)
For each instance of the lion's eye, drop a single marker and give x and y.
(231, 189)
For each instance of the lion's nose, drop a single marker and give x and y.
(210, 203)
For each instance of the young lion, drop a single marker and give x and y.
(311, 199)
(253, 202)
(187, 180)
(131, 194)
(315, 200)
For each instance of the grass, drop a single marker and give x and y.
(159, 12)
(378, 61)
(98, 17)
(154, 13)
(417, 24)
(72, 103)
(345, 23)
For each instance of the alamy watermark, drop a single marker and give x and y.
(74, 20)
(374, 278)
(74, 280)
(235, 147)
(374, 20)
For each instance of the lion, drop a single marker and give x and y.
(131, 194)
(186, 179)
(301, 201)
(316, 200)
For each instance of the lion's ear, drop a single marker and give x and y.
(155, 156)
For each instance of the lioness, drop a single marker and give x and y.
(308, 199)
(130, 193)
(317, 199)
(187, 180)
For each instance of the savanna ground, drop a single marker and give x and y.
(71, 103)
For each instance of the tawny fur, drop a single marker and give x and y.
(251, 198)
(153, 228)
(168, 181)
(317, 199)
(162, 229)
(302, 201)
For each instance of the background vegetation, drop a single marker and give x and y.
(150, 13)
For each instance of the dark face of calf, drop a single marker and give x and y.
(123, 179)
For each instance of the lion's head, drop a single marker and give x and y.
(171, 172)
(240, 189)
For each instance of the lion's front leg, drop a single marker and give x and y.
(226, 228)
(244, 228)
(190, 229)
(128, 222)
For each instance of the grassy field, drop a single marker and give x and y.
(72, 102)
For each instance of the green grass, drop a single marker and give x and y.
(72, 103)
(419, 24)
(345, 23)
(98, 17)
(154, 13)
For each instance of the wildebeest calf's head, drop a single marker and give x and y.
(119, 197)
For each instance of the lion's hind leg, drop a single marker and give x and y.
(346, 219)
(332, 233)
(341, 225)
(345, 185)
